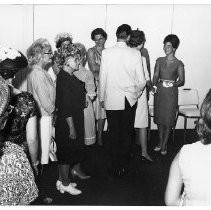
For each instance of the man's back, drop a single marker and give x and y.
(121, 71)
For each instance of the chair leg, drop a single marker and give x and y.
(185, 127)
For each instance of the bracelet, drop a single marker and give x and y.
(36, 163)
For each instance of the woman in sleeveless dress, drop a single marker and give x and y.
(168, 76)
(191, 166)
(99, 36)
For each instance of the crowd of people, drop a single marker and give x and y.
(70, 94)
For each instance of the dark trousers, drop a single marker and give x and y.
(121, 125)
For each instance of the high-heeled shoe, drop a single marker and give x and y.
(157, 149)
(58, 183)
(79, 175)
(146, 159)
(69, 189)
(164, 152)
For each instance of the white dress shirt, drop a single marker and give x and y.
(121, 75)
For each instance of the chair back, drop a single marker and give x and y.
(188, 97)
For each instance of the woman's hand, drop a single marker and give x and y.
(72, 134)
(35, 168)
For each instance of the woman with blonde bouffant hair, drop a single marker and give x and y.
(42, 87)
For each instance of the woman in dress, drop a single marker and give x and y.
(87, 77)
(99, 36)
(70, 104)
(191, 166)
(19, 135)
(168, 76)
(43, 89)
(137, 40)
(63, 41)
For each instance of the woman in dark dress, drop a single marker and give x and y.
(18, 135)
(70, 104)
(168, 76)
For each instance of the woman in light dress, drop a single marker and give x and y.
(137, 40)
(99, 36)
(191, 166)
(87, 77)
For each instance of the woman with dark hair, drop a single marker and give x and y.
(137, 40)
(191, 166)
(18, 135)
(69, 127)
(169, 74)
(99, 36)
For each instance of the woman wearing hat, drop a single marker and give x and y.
(19, 135)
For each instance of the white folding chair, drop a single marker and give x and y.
(188, 102)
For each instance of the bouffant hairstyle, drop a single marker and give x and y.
(9, 67)
(37, 48)
(173, 39)
(123, 31)
(204, 124)
(136, 38)
(63, 53)
(62, 37)
(82, 49)
(98, 31)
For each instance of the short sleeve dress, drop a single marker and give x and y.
(23, 107)
(166, 99)
(70, 102)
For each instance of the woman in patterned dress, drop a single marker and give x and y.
(168, 76)
(18, 137)
(99, 36)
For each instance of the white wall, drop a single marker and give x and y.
(20, 24)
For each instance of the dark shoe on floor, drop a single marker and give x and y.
(146, 159)
(80, 175)
(45, 199)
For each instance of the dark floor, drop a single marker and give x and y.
(144, 185)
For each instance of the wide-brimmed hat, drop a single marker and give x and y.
(11, 61)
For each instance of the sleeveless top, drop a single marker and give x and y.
(194, 164)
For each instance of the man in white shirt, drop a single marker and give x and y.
(121, 83)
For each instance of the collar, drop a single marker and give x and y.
(121, 44)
